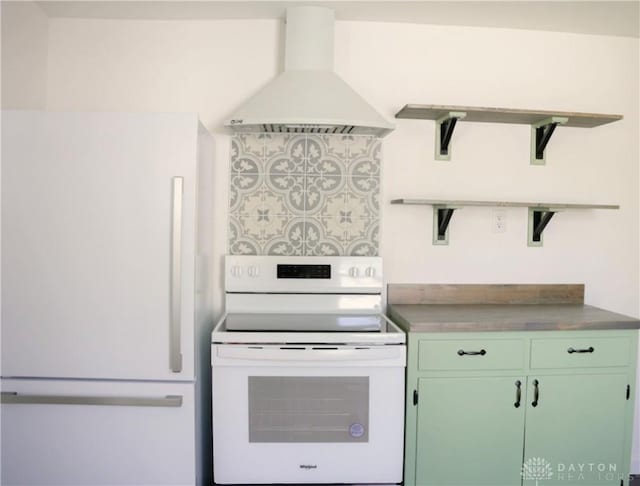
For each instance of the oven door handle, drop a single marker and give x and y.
(306, 354)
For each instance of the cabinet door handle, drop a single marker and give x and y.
(518, 393)
(462, 352)
(590, 349)
(536, 393)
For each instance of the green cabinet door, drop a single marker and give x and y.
(469, 431)
(575, 435)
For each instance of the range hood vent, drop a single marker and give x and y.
(309, 97)
(271, 128)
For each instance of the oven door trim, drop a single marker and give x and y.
(308, 356)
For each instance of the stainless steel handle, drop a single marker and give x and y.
(175, 305)
(167, 401)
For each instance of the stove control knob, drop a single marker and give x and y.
(370, 272)
(253, 271)
(354, 272)
(236, 271)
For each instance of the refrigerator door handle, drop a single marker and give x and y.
(166, 401)
(175, 307)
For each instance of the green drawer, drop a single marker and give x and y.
(580, 352)
(488, 354)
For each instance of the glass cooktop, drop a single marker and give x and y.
(306, 322)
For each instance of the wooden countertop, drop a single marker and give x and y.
(506, 317)
(492, 307)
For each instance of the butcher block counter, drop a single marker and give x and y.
(512, 378)
(473, 308)
(506, 317)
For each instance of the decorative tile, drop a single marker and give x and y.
(259, 217)
(348, 209)
(291, 242)
(314, 151)
(275, 143)
(347, 219)
(286, 165)
(363, 185)
(239, 244)
(320, 160)
(367, 246)
(364, 146)
(287, 154)
(248, 145)
(246, 164)
(317, 243)
(296, 194)
(326, 166)
(351, 147)
(318, 188)
(242, 184)
(364, 167)
(246, 168)
(336, 145)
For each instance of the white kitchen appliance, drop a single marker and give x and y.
(309, 97)
(106, 268)
(308, 375)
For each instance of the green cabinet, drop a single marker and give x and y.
(448, 429)
(520, 408)
(578, 427)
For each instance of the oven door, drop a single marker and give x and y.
(308, 414)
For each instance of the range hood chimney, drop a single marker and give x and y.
(309, 97)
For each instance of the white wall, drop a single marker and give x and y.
(24, 55)
(211, 66)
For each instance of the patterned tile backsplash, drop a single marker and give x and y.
(303, 194)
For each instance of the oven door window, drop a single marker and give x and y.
(308, 409)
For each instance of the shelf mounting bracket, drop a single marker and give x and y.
(444, 130)
(541, 134)
(441, 219)
(538, 220)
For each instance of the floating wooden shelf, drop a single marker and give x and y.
(539, 214)
(505, 115)
(543, 123)
(510, 204)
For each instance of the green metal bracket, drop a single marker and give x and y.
(441, 219)
(444, 130)
(540, 134)
(538, 220)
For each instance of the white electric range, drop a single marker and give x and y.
(308, 375)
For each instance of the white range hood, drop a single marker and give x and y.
(309, 97)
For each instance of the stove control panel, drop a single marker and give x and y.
(288, 270)
(303, 274)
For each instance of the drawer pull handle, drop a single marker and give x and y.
(518, 394)
(590, 349)
(536, 393)
(462, 352)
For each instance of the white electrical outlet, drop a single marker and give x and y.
(499, 220)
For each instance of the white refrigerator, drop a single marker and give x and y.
(106, 305)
